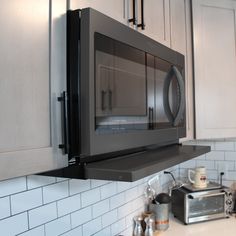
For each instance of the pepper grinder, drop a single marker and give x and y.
(138, 229)
(150, 226)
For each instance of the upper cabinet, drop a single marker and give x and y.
(32, 77)
(156, 20)
(116, 9)
(215, 67)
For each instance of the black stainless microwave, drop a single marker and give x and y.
(126, 91)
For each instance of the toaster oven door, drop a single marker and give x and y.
(206, 205)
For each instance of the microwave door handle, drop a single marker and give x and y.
(166, 102)
(181, 109)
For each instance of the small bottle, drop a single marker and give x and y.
(150, 226)
(138, 229)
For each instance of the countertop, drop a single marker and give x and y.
(218, 227)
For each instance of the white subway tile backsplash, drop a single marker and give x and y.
(131, 194)
(92, 227)
(202, 157)
(188, 164)
(26, 200)
(59, 179)
(4, 207)
(80, 217)
(12, 186)
(229, 165)
(136, 183)
(210, 165)
(100, 208)
(108, 190)
(42, 215)
(215, 155)
(122, 186)
(74, 232)
(118, 227)
(117, 200)
(104, 232)
(129, 218)
(14, 225)
(68, 205)
(206, 143)
(125, 210)
(90, 197)
(128, 231)
(230, 156)
(55, 192)
(212, 175)
(78, 186)
(39, 231)
(97, 183)
(35, 181)
(58, 226)
(109, 218)
(137, 203)
(224, 146)
(231, 175)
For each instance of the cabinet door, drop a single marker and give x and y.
(113, 8)
(181, 41)
(32, 72)
(156, 20)
(215, 68)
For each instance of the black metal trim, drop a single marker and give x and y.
(73, 81)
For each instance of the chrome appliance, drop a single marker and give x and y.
(191, 205)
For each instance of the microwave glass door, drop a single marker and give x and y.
(120, 86)
(165, 93)
(209, 205)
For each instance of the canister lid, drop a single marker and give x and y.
(163, 198)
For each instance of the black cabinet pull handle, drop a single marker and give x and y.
(142, 25)
(133, 20)
(63, 101)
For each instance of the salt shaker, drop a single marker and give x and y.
(138, 230)
(150, 226)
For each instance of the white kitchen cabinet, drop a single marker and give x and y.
(215, 67)
(116, 9)
(156, 20)
(32, 76)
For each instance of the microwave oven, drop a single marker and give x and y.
(191, 205)
(125, 90)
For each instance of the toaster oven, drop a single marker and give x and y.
(191, 205)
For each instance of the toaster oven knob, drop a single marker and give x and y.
(229, 202)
